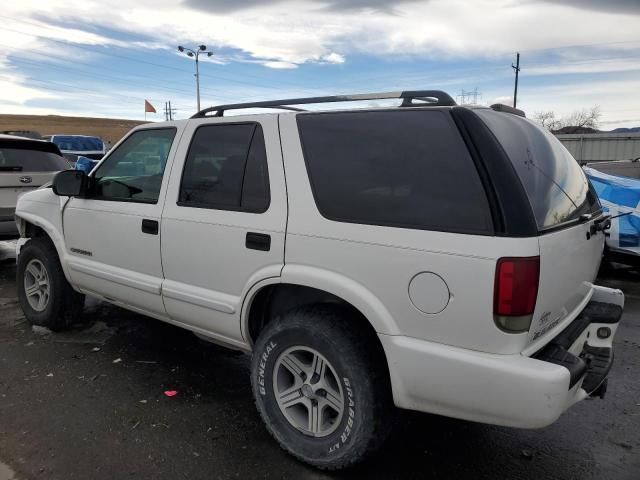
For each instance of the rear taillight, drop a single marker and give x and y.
(516, 291)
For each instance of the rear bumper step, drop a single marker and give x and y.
(599, 362)
(560, 356)
(593, 363)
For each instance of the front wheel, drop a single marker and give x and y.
(321, 389)
(44, 294)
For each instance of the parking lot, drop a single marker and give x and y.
(90, 403)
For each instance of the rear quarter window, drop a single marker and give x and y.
(557, 188)
(400, 168)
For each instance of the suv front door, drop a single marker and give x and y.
(223, 226)
(112, 238)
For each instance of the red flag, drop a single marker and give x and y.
(148, 107)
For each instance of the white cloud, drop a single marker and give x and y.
(279, 64)
(299, 32)
(286, 34)
(13, 89)
(504, 100)
(334, 57)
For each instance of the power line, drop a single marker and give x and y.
(263, 86)
(456, 73)
(234, 80)
(561, 47)
(102, 76)
(77, 62)
(92, 75)
(75, 88)
(133, 59)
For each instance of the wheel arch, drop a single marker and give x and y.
(272, 298)
(31, 226)
(303, 285)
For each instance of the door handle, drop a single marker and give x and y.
(150, 226)
(258, 241)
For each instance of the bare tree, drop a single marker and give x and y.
(546, 119)
(579, 119)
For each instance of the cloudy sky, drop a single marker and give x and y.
(103, 58)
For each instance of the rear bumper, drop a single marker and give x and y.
(585, 346)
(8, 228)
(509, 390)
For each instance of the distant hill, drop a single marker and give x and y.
(110, 129)
(626, 130)
(565, 130)
(570, 129)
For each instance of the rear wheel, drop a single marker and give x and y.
(44, 294)
(321, 388)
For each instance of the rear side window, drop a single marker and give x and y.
(226, 169)
(407, 168)
(24, 160)
(556, 186)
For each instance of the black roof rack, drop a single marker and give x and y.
(501, 107)
(427, 97)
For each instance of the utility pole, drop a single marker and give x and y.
(516, 67)
(469, 97)
(168, 111)
(202, 49)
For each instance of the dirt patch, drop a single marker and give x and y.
(110, 129)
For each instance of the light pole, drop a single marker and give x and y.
(194, 54)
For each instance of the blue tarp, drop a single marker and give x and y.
(619, 195)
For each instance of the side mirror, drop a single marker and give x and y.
(70, 183)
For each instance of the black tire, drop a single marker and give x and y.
(360, 367)
(65, 304)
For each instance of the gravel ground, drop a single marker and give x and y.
(89, 404)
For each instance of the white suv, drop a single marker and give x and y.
(429, 256)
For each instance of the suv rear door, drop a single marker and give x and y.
(24, 165)
(223, 226)
(564, 206)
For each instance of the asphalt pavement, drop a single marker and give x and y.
(90, 404)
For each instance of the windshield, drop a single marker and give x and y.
(556, 186)
(78, 143)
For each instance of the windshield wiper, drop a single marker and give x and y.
(16, 168)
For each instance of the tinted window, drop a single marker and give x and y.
(134, 170)
(23, 160)
(557, 188)
(226, 168)
(78, 143)
(406, 168)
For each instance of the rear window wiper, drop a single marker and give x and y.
(16, 168)
(604, 222)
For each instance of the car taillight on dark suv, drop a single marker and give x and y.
(516, 291)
